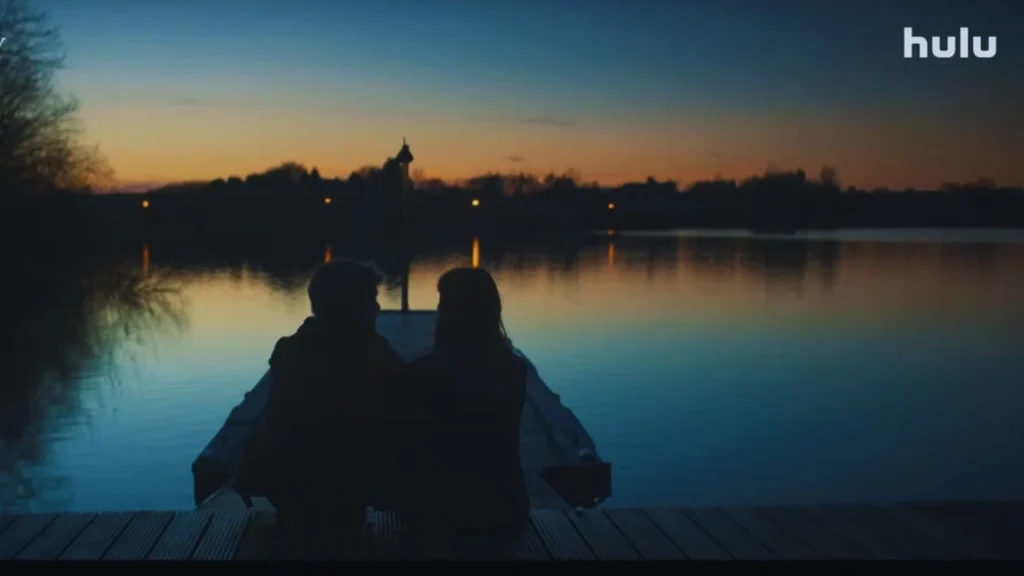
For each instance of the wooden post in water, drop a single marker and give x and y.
(405, 158)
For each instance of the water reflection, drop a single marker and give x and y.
(64, 326)
(672, 349)
(285, 268)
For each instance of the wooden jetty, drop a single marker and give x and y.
(559, 457)
(963, 531)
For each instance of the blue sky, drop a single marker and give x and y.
(560, 80)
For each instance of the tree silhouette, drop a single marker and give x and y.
(40, 137)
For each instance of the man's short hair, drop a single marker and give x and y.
(342, 285)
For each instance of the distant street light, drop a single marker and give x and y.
(475, 202)
(611, 205)
(145, 203)
(327, 199)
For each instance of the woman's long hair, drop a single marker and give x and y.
(469, 314)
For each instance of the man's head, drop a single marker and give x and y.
(344, 292)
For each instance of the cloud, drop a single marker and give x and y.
(139, 186)
(547, 121)
(516, 159)
(715, 154)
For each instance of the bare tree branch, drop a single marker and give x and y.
(41, 147)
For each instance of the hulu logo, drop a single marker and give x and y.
(964, 45)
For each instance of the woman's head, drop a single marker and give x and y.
(469, 311)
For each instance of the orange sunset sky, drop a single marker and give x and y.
(618, 91)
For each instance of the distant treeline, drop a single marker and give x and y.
(290, 201)
(42, 151)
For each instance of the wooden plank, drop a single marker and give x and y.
(230, 499)
(388, 537)
(529, 546)
(974, 544)
(18, 535)
(688, 536)
(538, 450)
(840, 525)
(567, 434)
(644, 535)
(181, 536)
(560, 537)
(874, 533)
(996, 523)
(256, 541)
(915, 541)
(222, 536)
(6, 520)
(773, 536)
(325, 543)
(602, 536)
(961, 544)
(98, 536)
(738, 542)
(139, 537)
(818, 536)
(970, 531)
(56, 537)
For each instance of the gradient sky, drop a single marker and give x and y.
(619, 90)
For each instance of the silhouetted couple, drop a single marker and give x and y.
(350, 424)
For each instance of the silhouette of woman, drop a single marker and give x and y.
(472, 495)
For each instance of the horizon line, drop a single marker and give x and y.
(144, 186)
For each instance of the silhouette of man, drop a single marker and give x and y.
(325, 395)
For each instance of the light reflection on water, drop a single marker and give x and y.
(710, 369)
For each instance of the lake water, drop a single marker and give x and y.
(710, 368)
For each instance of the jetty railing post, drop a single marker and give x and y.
(406, 255)
(405, 284)
(404, 159)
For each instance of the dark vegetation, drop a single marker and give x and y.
(66, 307)
(48, 178)
(290, 202)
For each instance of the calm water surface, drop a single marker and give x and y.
(711, 369)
